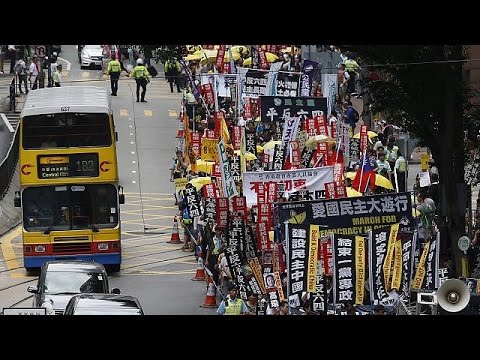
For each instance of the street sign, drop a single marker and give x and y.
(463, 243)
(24, 311)
(40, 51)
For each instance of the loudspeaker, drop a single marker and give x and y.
(453, 295)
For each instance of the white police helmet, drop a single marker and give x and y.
(139, 61)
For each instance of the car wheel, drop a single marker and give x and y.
(32, 269)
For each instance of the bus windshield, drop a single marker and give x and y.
(70, 207)
(64, 130)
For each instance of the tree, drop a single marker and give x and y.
(422, 90)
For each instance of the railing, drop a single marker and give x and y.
(12, 94)
(7, 167)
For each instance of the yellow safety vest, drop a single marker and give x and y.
(140, 71)
(402, 165)
(234, 307)
(56, 77)
(113, 66)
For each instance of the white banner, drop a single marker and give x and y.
(329, 90)
(224, 83)
(228, 184)
(309, 184)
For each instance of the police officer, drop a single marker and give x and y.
(57, 76)
(142, 77)
(232, 305)
(114, 68)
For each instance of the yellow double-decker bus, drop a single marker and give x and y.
(69, 193)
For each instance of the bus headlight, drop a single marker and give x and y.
(39, 248)
(102, 246)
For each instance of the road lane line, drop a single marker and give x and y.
(69, 64)
(148, 112)
(7, 123)
(7, 248)
(123, 112)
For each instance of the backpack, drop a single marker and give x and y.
(356, 115)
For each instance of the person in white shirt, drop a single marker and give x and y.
(33, 69)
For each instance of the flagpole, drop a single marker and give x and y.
(361, 172)
(338, 149)
(368, 182)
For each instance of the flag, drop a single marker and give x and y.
(224, 134)
(364, 175)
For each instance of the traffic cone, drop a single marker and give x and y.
(175, 239)
(200, 274)
(210, 300)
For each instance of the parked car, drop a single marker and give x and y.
(103, 304)
(59, 280)
(91, 56)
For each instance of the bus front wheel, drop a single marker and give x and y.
(114, 267)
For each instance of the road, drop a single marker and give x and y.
(156, 272)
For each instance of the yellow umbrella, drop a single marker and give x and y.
(351, 192)
(258, 119)
(248, 155)
(259, 149)
(201, 165)
(371, 134)
(350, 175)
(193, 48)
(200, 181)
(383, 182)
(239, 48)
(271, 144)
(313, 140)
(192, 57)
(199, 52)
(270, 58)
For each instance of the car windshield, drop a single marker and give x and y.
(70, 282)
(106, 307)
(93, 47)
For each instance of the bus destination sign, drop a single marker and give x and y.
(64, 166)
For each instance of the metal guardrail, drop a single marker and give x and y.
(7, 167)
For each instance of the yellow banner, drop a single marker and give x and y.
(387, 264)
(180, 184)
(312, 259)
(209, 150)
(420, 274)
(424, 162)
(54, 160)
(257, 272)
(397, 266)
(359, 269)
(278, 283)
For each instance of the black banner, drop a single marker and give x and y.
(377, 246)
(348, 286)
(275, 108)
(235, 168)
(320, 297)
(354, 150)
(407, 259)
(287, 84)
(210, 209)
(193, 203)
(297, 255)
(306, 157)
(250, 243)
(350, 216)
(255, 83)
(430, 281)
(278, 156)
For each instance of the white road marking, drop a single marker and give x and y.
(132, 142)
(134, 162)
(7, 123)
(69, 64)
(134, 171)
(132, 152)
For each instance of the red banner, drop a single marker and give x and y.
(210, 191)
(311, 125)
(262, 58)
(337, 173)
(220, 57)
(325, 255)
(236, 137)
(266, 160)
(221, 207)
(363, 138)
(263, 242)
(247, 108)
(195, 139)
(218, 116)
(210, 134)
(272, 191)
(340, 191)
(295, 159)
(333, 130)
(265, 214)
(207, 90)
(240, 206)
(322, 125)
(261, 194)
(216, 171)
(226, 68)
(330, 190)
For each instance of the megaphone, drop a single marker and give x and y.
(453, 295)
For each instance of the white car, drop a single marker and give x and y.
(92, 55)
